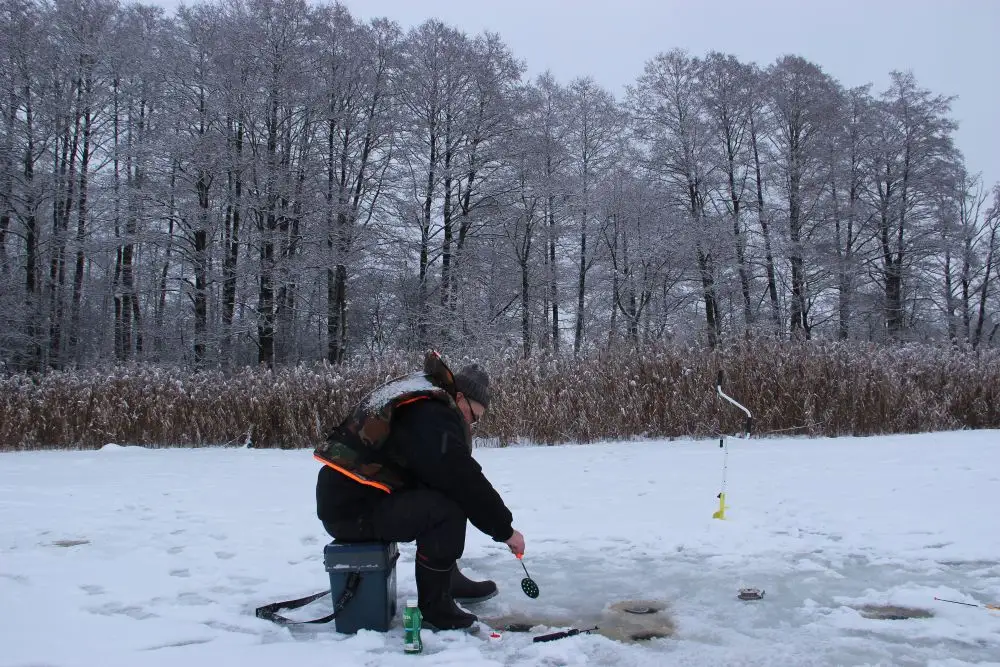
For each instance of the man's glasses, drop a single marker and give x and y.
(472, 411)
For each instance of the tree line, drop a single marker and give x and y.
(273, 182)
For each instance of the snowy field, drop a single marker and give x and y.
(128, 557)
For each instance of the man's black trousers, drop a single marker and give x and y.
(433, 520)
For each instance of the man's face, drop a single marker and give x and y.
(472, 410)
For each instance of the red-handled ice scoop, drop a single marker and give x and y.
(528, 584)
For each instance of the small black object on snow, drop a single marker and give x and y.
(751, 594)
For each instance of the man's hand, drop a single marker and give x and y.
(516, 543)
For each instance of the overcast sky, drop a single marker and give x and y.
(952, 46)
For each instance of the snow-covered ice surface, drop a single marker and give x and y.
(129, 556)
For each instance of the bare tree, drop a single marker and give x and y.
(551, 120)
(912, 160)
(969, 236)
(488, 127)
(436, 89)
(802, 101)
(135, 100)
(760, 127)
(849, 149)
(456, 97)
(669, 111)
(9, 105)
(277, 125)
(523, 219)
(642, 256)
(727, 87)
(358, 66)
(201, 154)
(992, 223)
(594, 140)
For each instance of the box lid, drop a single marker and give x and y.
(360, 556)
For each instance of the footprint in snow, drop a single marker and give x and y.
(177, 644)
(69, 543)
(308, 559)
(228, 627)
(193, 599)
(228, 590)
(115, 609)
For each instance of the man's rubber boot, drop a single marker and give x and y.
(435, 601)
(467, 591)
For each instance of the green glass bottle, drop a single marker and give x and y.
(411, 624)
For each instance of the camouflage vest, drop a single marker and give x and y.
(356, 447)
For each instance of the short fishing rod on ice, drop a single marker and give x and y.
(745, 593)
(721, 512)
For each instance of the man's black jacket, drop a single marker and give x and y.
(430, 437)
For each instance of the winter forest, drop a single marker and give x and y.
(264, 182)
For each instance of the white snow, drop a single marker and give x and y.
(128, 556)
(407, 383)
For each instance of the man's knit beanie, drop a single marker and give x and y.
(474, 383)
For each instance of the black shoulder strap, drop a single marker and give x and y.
(269, 612)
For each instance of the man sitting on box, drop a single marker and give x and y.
(400, 469)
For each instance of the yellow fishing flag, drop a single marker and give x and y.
(721, 513)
